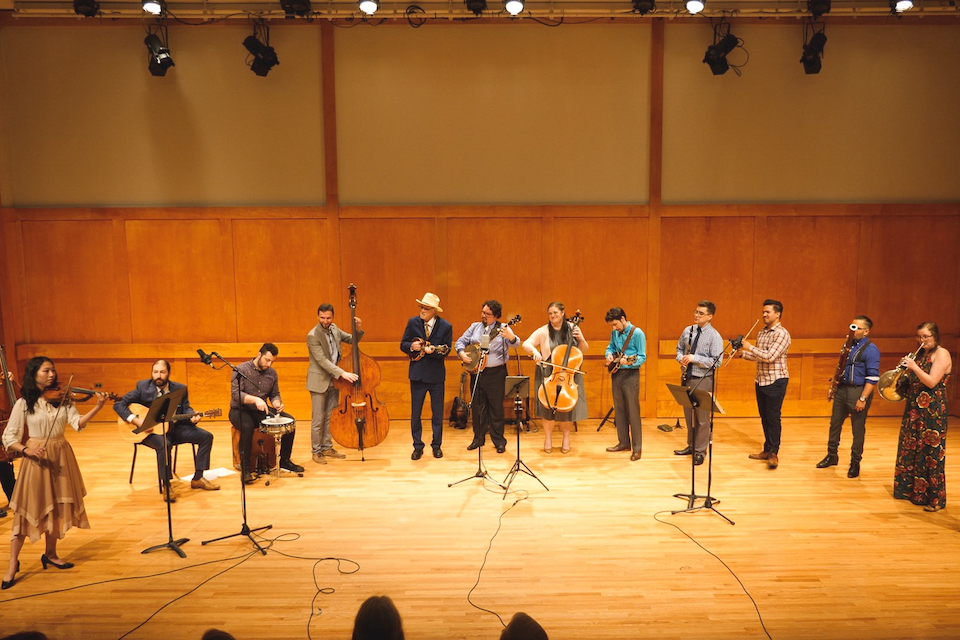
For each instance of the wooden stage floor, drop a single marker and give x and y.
(824, 556)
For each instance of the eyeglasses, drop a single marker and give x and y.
(423, 308)
(922, 338)
(700, 313)
(486, 314)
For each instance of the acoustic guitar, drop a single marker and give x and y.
(127, 428)
(458, 412)
(478, 359)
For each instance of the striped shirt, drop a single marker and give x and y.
(770, 353)
(709, 346)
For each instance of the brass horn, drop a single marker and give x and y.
(887, 387)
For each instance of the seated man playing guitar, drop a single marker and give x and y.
(181, 431)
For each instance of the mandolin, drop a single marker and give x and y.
(442, 349)
(127, 428)
(478, 359)
(614, 366)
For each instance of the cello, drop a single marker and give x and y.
(361, 420)
(559, 392)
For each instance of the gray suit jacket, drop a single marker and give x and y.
(322, 368)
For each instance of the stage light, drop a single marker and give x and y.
(476, 6)
(812, 52)
(264, 56)
(513, 7)
(899, 6)
(643, 7)
(154, 7)
(695, 6)
(716, 55)
(86, 8)
(369, 7)
(818, 7)
(299, 8)
(160, 59)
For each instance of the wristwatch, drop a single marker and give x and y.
(862, 399)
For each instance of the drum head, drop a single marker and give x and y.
(278, 425)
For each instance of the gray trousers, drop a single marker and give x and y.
(845, 404)
(322, 405)
(626, 408)
(698, 422)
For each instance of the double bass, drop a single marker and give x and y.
(559, 392)
(11, 399)
(361, 420)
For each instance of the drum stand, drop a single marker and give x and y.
(522, 383)
(276, 472)
(245, 529)
(481, 470)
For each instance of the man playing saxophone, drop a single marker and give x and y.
(861, 372)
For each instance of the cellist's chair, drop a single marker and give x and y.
(133, 464)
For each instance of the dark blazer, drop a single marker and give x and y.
(430, 367)
(145, 394)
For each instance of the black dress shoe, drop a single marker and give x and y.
(501, 449)
(44, 560)
(6, 584)
(291, 466)
(683, 452)
(828, 461)
(854, 470)
(698, 458)
(417, 454)
(437, 453)
(473, 445)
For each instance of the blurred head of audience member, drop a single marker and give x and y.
(217, 634)
(523, 627)
(378, 619)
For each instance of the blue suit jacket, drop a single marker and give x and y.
(145, 393)
(430, 367)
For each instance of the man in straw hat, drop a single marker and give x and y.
(424, 334)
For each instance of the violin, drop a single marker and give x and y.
(56, 395)
(559, 392)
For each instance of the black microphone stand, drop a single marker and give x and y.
(708, 500)
(481, 470)
(245, 529)
(157, 414)
(519, 466)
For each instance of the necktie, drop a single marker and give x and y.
(693, 349)
(426, 329)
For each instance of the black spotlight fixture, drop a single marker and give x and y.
(160, 59)
(716, 56)
(643, 7)
(298, 8)
(264, 56)
(818, 7)
(476, 6)
(812, 52)
(86, 8)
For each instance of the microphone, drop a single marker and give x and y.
(204, 358)
(485, 342)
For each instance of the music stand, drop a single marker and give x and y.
(519, 387)
(693, 399)
(164, 406)
(481, 470)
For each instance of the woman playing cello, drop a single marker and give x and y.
(542, 344)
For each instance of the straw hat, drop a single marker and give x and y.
(431, 300)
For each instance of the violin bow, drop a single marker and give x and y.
(66, 397)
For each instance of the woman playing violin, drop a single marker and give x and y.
(48, 497)
(558, 332)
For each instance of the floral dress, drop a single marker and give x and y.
(919, 474)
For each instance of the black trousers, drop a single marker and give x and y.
(7, 479)
(248, 422)
(418, 393)
(845, 404)
(180, 432)
(769, 402)
(488, 405)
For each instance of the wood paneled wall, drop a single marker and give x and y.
(105, 292)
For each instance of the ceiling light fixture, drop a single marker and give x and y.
(160, 59)
(369, 7)
(513, 7)
(154, 7)
(476, 6)
(818, 7)
(643, 7)
(86, 8)
(298, 8)
(264, 56)
(813, 51)
(899, 6)
(695, 6)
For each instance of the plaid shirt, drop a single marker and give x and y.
(770, 354)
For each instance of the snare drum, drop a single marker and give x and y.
(278, 426)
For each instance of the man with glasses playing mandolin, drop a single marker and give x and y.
(144, 394)
(427, 340)
(495, 340)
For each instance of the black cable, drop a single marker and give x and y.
(726, 566)
(487, 553)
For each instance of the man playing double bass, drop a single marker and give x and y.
(424, 333)
(488, 398)
(323, 341)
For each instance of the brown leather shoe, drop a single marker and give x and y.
(204, 484)
(763, 455)
(319, 458)
(173, 497)
(333, 453)
(772, 461)
(616, 448)
(635, 456)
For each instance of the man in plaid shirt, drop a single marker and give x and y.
(770, 354)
